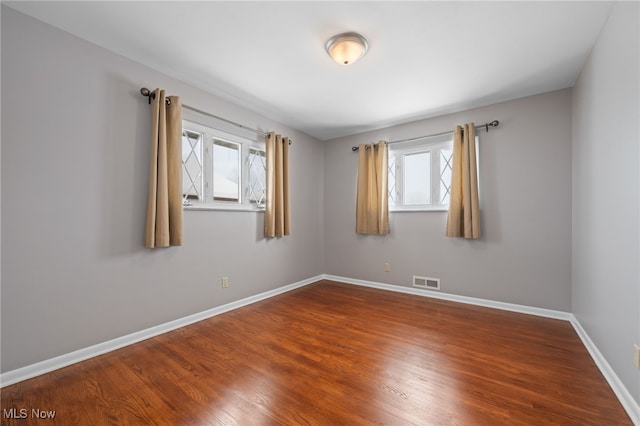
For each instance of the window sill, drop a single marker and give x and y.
(419, 209)
(218, 207)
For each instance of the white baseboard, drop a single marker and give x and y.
(541, 312)
(33, 370)
(625, 398)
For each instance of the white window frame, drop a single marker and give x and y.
(210, 135)
(433, 145)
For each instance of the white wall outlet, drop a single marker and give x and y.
(225, 282)
(636, 356)
(387, 266)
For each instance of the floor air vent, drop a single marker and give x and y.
(426, 282)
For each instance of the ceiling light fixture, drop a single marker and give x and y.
(347, 48)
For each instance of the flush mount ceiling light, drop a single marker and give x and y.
(347, 48)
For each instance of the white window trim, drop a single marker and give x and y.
(245, 145)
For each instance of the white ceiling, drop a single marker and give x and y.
(425, 58)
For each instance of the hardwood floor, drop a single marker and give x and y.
(335, 354)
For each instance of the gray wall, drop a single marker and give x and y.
(524, 255)
(75, 153)
(606, 135)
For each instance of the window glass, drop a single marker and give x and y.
(446, 157)
(391, 180)
(226, 171)
(257, 176)
(417, 178)
(191, 166)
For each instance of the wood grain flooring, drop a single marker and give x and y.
(334, 354)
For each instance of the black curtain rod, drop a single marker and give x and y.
(486, 126)
(151, 95)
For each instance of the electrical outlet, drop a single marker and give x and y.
(636, 356)
(225, 282)
(387, 266)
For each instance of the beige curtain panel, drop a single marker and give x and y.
(464, 210)
(372, 204)
(277, 220)
(164, 209)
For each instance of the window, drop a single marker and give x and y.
(226, 171)
(257, 176)
(420, 174)
(220, 170)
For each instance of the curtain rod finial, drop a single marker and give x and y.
(148, 93)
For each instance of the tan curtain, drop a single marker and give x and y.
(276, 216)
(164, 209)
(372, 205)
(464, 209)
